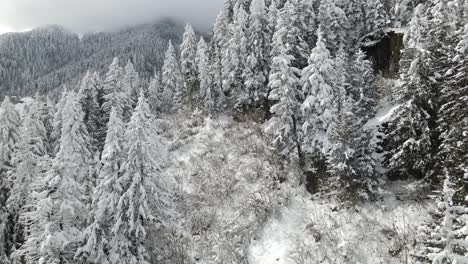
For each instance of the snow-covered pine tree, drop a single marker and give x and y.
(67, 185)
(355, 12)
(444, 240)
(234, 55)
(171, 81)
(144, 198)
(272, 17)
(113, 79)
(93, 114)
(411, 141)
(453, 120)
(377, 15)
(256, 68)
(95, 245)
(319, 108)
(48, 110)
(350, 158)
(285, 92)
(155, 93)
(115, 93)
(207, 97)
(188, 50)
(27, 162)
(363, 88)
(217, 46)
(9, 136)
(334, 25)
(57, 123)
(131, 83)
(302, 29)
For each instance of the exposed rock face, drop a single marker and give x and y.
(384, 49)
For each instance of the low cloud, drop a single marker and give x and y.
(95, 15)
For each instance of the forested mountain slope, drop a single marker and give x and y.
(46, 58)
(278, 140)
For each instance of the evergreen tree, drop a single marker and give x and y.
(95, 245)
(131, 84)
(445, 239)
(115, 93)
(453, 121)
(234, 55)
(333, 23)
(284, 85)
(93, 116)
(155, 93)
(188, 50)
(217, 50)
(206, 95)
(256, 69)
(57, 122)
(144, 195)
(173, 94)
(26, 161)
(9, 136)
(66, 188)
(318, 109)
(377, 16)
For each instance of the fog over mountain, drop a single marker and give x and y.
(102, 15)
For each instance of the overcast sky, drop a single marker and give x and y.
(96, 15)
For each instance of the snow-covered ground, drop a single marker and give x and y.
(228, 173)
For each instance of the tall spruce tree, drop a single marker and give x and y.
(284, 85)
(171, 81)
(66, 184)
(188, 50)
(144, 197)
(97, 236)
(256, 68)
(9, 137)
(27, 162)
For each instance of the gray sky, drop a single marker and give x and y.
(96, 15)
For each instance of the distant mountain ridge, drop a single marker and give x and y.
(44, 59)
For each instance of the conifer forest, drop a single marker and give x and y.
(290, 132)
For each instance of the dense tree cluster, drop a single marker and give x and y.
(295, 65)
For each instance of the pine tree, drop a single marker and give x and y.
(26, 161)
(409, 136)
(144, 194)
(234, 55)
(57, 123)
(218, 44)
(188, 50)
(302, 29)
(106, 197)
(67, 184)
(206, 96)
(256, 69)
(155, 93)
(453, 121)
(93, 115)
(131, 84)
(355, 12)
(284, 85)
(173, 94)
(115, 93)
(318, 109)
(377, 16)
(333, 23)
(445, 239)
(9, 137)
